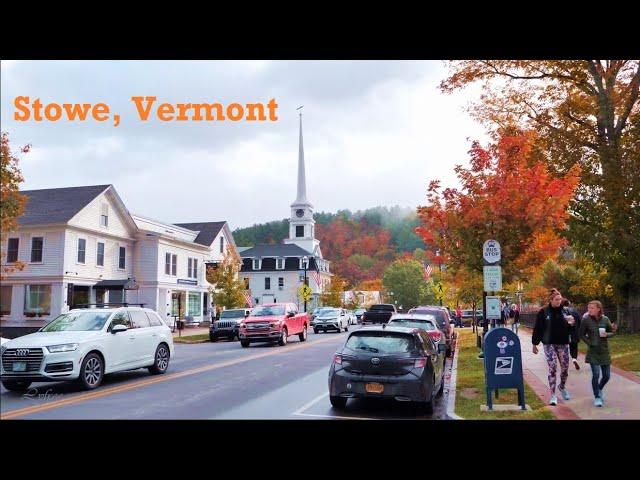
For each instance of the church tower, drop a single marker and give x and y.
(301, 222)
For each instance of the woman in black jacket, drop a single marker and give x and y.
(552, 329)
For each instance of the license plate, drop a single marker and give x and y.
(19, 366)
(374, 387)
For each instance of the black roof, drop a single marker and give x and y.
(208, 231)
(57, 205)
(278, 250)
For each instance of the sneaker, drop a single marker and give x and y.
(602, 395)
(576, 364)
(597, 402)
(565, 394)
(554, 400)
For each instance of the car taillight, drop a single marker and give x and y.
(435, 335)
(420, 363)
(337, 359)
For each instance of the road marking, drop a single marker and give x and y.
(306, 406)
(451, 395)
(143, 383)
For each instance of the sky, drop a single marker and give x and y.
(375, 133)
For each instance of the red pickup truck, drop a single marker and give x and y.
(273, 322)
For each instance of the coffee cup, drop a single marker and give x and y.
(603, 331)
(570, 319)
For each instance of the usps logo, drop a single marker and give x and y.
(504, 366)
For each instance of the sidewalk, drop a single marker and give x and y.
(189, 331)
(622, 392)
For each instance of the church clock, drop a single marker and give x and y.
(299, 213)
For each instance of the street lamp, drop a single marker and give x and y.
(305, 264)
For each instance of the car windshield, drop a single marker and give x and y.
(232, 314)
(414, 323)
(439, 314)
(329, 312)
(381, 342)
(78, 322)
(267, 311)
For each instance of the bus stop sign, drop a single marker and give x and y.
(503, 364)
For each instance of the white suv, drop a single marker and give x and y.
(85, 344)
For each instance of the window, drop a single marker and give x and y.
(299, 231)
(256, 264)
(139, 319)
(281, 282)
(12, 250)
(174, 265)
(192, 268)
(221, 244)
(122, 258)
(36, 249)
(267, 283)
(5, 299)
(279, 263)
(78, 322)
(82, 250)
(104, 216)
(37, 300)
(100, 254)
(154, 319)
(120, 318)
(167, 263)
(194, 304)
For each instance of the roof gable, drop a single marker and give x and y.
(208, 231)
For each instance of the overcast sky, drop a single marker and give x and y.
(375, 133)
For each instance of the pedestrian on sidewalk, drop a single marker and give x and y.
(514, 313)
(552, 329)
(595, 329)
(574, 331)
(459, 316)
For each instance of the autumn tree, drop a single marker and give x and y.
(405, 278)
(587, 113)
(333, 296)
(226, 290)
(11, 201)
(507, 194)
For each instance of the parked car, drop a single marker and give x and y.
(228, 325)
(85, 344)
(331, 319)
(443, 319)
(274, 322)
(379, 313)
(318, 311)
(428, 323)
(390, 362)
(352, 317)
(359, 312)
(467, 317)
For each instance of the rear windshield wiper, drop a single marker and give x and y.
(369, 349)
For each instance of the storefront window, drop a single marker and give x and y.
(5, 299)
(194, 304)
(37, 300)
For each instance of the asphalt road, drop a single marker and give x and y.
(215, 381)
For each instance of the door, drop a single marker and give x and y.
(146, 338)
(295, 323)
(437, 358)
(120, 346)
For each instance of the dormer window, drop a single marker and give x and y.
(256, 264)
(279, 263)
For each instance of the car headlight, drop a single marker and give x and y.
(2, 349)
(66, 347)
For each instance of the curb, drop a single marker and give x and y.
(451, 398)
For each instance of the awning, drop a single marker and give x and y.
(127, 284)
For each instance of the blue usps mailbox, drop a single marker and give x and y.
(503, 363)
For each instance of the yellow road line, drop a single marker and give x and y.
(143, 383)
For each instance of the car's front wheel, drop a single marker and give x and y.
(91, 372)
(245, 343)
(16, 385)
(161, 360)
(213, 338)
(282, 341)
(315, 330)
(338, 402)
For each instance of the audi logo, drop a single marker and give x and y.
(22, 352)
(375, 361)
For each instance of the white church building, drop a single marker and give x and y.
(274, 273)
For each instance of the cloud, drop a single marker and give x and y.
(375, 133)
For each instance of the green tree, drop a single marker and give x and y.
(333, 297)
(227, 290)
(405, 278)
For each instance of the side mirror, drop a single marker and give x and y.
(290, 314)
(246, 314)
(119, 328)
(442, 348)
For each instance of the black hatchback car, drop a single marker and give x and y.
(388, 362)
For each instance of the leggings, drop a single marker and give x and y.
(595, 376)
(561, 352)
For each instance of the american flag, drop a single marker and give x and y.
(427, 271)
(248, 298)
(316, 276)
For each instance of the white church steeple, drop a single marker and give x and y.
(301, 223)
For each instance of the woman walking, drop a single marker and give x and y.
(595, 329)
(552, 328)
